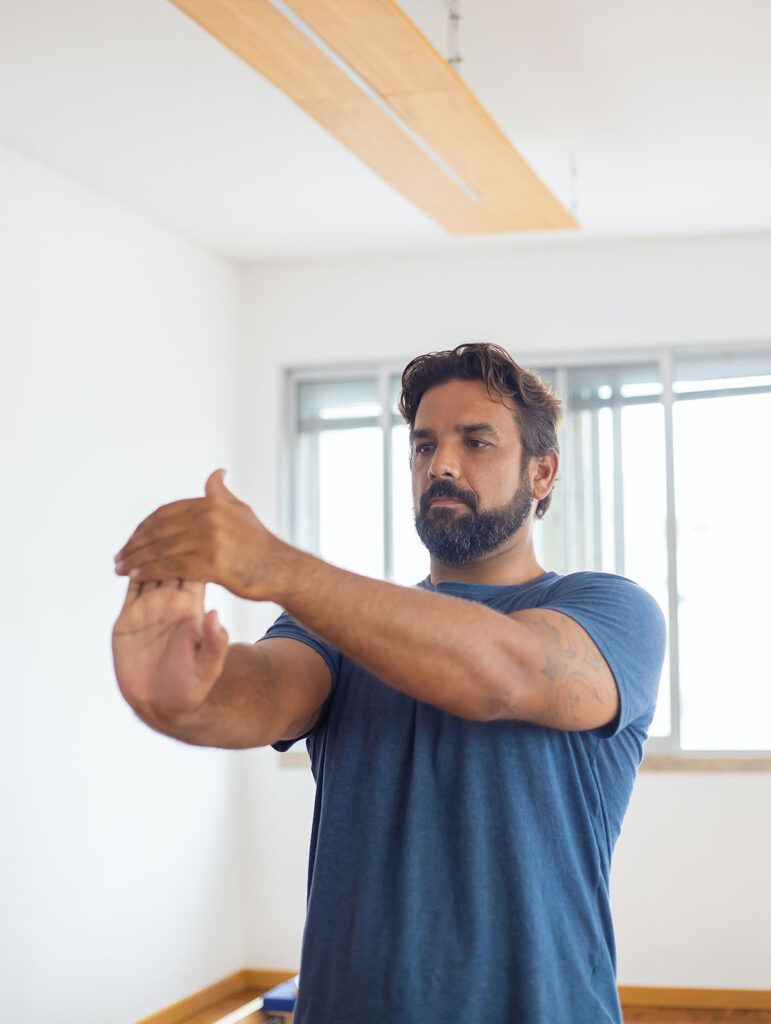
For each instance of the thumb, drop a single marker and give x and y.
(215, 637)
(215, 486)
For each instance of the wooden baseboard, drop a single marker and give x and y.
(267, 979)
(207, 997)
(630, 996)
(695, 998)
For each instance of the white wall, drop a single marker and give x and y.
(690, 887)
(119, 875)
(134, 870)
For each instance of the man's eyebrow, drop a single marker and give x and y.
(415, 434)
(477, 428)
(461, 428)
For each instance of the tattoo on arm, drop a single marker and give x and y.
(574, 670)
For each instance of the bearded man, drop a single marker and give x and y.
(474, 739)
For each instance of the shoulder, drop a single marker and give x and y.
(600, 585)
(605, 598)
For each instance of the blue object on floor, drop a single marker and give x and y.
(281, 998)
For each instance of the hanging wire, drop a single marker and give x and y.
(453, 34)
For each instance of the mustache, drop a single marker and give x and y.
(447, 489)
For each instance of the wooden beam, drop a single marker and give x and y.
(377, 40)
(695, 998)
(383, 46)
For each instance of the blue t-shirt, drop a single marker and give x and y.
(459, 869)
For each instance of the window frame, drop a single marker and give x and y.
(662, 752)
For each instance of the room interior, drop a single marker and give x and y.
(176, 235)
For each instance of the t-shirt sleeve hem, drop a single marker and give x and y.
(290, 631)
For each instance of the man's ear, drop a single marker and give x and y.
(543, 472)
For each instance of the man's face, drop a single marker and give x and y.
(469, 490)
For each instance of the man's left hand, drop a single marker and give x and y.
(214, 539)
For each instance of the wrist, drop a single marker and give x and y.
(277, 572)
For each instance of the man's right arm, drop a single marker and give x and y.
(270, 691)
(176, 670)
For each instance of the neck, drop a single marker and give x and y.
(512, 563)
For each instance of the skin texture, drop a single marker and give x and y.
(176, 669)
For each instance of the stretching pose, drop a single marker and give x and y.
(474, 739)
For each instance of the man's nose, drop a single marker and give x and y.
(444, 463)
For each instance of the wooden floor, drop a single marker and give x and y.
(663, 1016)
(225, 1006)
(631, 1016)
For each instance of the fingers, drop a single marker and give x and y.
(187, 566)
(145, 547)
(215, 486)
(162, 523)
(179, 556)
(147, 600)
(137, 588)
(198, 539)
(176, 517)
(214, 642)
(214, 632)
(174, 508)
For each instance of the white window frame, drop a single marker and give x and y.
(663, 752)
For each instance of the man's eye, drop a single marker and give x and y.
(474, 442)
(421, 449)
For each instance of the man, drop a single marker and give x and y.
(474, 739)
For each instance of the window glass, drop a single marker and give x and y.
(645, 521)
(723, 488)
(592, 385)
(351, 510)
(410, 558)
(338, 512)
(718, 372)
(322, 401)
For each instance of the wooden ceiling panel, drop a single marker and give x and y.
(379, 41)
(422, 90)
(466, 137)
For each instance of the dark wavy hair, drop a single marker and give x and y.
(537, 408)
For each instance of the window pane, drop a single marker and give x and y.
(716, 372)
(606, 484)
(410, 558)
(724, 561)
(395, 388)
(590, 517)
(350, 499)
(593, 385)
(324, 400)
(616, 505)
(645, 521)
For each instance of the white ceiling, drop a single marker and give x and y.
(664, 106)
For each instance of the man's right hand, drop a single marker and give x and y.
(168, 651)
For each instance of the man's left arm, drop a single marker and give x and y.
(537, 665)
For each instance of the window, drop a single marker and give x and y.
(663, 478)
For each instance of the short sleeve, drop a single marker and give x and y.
(286, 626)
(628, 628)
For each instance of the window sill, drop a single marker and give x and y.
(294, 759)
(705, 763)
(651, 762)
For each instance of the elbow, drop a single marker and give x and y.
(494, 698)
(503, 693)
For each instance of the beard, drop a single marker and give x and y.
(456, 538)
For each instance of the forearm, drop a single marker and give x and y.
(239, 712)
(457, 655)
